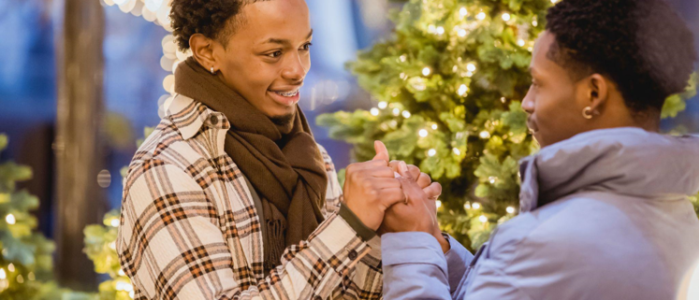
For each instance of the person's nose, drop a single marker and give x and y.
(528, 104)
(295, 71)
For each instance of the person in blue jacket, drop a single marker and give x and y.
(603, 207)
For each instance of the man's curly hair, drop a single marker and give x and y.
(215, 19)
(641, 45)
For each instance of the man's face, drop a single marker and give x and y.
(554, 102)
(267, 58)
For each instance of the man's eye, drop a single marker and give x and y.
(275, 54)
(306, 46)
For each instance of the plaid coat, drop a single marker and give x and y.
(189, 228)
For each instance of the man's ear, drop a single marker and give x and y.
(598, 92)
(203, 51)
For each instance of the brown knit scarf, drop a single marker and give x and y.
(282, 162)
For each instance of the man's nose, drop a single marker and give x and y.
(528, 105)
(295, 70)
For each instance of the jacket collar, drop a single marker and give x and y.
(624, 161)
(190, 117)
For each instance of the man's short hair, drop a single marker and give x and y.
(641, 45)
(215, 19)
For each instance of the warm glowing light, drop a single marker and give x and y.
(10, 219)
(463, 11)
(462, 90)
(423, 133)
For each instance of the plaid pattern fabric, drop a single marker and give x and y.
(189, 229)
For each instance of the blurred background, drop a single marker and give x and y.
(129, 81)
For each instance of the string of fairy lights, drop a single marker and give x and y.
(158, 12)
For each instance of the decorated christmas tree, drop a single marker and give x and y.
(448, 84)
(26, 262)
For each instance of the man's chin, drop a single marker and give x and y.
(537, 137)
(283, 119)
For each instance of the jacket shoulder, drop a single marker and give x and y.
(165, 144)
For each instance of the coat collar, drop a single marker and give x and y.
(191, 117)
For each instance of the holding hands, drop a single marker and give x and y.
(371, 189)
(393, 196)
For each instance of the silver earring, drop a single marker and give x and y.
(588, 113)
(212, 70)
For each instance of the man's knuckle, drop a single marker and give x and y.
(373, 193)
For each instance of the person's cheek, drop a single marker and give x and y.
(546, 108)
(307, 64)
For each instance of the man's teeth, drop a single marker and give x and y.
(287, 94)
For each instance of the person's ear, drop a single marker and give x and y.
(203, 51)
(598, 92)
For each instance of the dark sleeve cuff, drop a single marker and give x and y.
(362, 231)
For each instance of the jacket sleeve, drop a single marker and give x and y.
(414, 267)
(458, 261)
(171, 244)
(367, 280)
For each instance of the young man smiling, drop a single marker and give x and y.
(232, 176)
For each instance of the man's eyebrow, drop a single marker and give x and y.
(283, 41)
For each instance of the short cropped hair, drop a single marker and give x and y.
(641, 45)
(215, 19)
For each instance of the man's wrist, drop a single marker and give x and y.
(355, 223)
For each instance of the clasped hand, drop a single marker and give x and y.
(392, 196)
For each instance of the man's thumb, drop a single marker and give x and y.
(382, 153)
